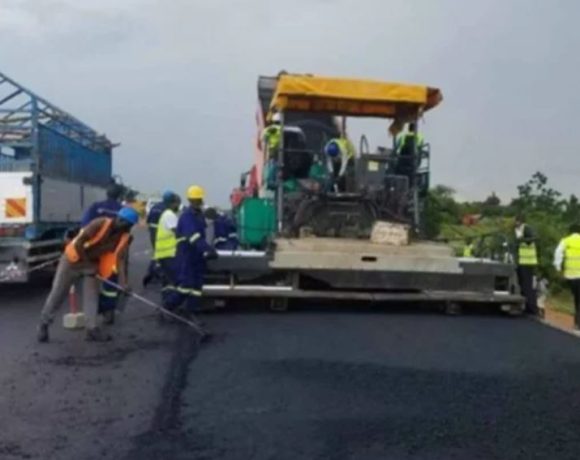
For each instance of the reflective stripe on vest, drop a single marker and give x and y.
(527, 254)
(572, 256)
(108, 261)
(165, 241)
(71, 251)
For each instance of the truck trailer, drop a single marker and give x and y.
(52, 166)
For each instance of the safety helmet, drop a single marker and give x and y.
(195, 192)
(129, 215)
(332, 149)
(167, 196)
(276, 118)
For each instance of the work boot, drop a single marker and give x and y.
(97, 335)
(42, 334)
(109, 317)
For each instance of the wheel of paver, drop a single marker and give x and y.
(279, 304)
(453, 309)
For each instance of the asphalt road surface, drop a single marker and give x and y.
(305, 384)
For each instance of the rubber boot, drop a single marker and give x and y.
(42, 334)
(97, 335)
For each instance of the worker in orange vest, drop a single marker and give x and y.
(101, 249)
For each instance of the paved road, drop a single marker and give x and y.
(306, 384)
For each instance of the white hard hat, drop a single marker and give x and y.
(276, 118)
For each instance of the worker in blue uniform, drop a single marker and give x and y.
(153, 217)
(106, 208)
(192, 253)
(225, 235)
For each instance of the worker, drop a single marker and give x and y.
(166, 243)
(225, 235)
(526, 256)
(101, 249)
(192, 252)
(271, 136)
(153, 217)
(567, 262)
(407, 144)
(106, 208)
(340, 155)
(468, 248)
(409, 139)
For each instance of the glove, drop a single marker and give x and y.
(211, 255)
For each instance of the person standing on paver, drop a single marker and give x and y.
(527, 261)
(567, 262)
(99, 249)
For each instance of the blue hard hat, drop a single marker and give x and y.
(129, 215)
(168, 196)
(332, 149)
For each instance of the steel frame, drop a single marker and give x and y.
(23, 111)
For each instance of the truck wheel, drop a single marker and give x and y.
(279, 304)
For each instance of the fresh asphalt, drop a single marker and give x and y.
(305, 384)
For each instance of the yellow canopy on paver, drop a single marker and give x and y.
(350, 97)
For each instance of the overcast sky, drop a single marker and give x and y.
(174, 81)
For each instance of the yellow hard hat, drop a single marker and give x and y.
(195, 192)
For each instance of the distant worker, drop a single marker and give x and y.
(271, 136)
(407, 145)
(192, 253)
(166, 244)
(567, 262)
(101, 248)
(468, 248)
(106, 208)
(153, 217)
(526, 256)
(225, 235)
(340, 153)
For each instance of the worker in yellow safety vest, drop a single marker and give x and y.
(468, 248)
(526, 256)
(567, 262)
(340, 153)
(166, 244)
(271, 136)
(407, 145)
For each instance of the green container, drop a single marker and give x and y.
(256, 222)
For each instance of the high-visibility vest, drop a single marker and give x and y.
(345, 146)
(527, 254)
(272, 135)
(108, 262)
(402, 140)
(572, 256)
(165, 241)
(71, 251)
(468, 250)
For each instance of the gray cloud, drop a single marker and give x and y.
(174, 81)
